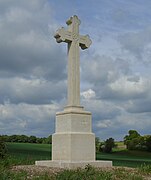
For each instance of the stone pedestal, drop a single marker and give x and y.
(73, 143)
(73, 140)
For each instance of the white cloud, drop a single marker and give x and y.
(88, 94)
(115, 70)
(27, 44)
(138, 43)
(101, 109)
(32, 91)
(129, 87)
(24, 118)
(104, 124)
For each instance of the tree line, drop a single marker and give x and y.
(134, 141)
(27, 139)
(21, 139)
(105, 146)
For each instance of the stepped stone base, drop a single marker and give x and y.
(73, 165)
(73, 143)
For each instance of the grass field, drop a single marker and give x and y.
(24, 153)
(27, 153)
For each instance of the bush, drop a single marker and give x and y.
(97, 144)
(3, 148)
(134, 141)
(148, 143)
(108, 145)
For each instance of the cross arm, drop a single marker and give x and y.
(63, 36)
(85, 42)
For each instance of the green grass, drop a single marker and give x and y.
(24, 153)
(88, 173)
(122, 157)
(120, 143)
(28, 153)
(127, 158)
(24, 149)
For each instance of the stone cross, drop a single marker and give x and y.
(74, 40)
(73, 143)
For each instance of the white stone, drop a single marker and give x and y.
(73, 147)
(74, 40)
(73, 143)
(73, 140)
(73, 121)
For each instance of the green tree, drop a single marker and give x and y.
(148, 143)
(132, 139)
(109, 144)
(32, 139)
(39, 140)
(3, 148)
(22, 138)
(47, 140)
(13, 138)
(97, 144)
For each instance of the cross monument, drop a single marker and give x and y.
(74, 40)
(73, 143)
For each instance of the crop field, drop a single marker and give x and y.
(27, 153)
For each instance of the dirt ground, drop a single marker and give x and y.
(33, 170)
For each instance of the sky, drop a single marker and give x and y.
(115, 70)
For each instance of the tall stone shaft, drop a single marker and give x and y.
(73, 64)
(74, 40)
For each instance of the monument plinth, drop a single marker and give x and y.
(73, 143)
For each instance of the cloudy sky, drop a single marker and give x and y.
(115, 70)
